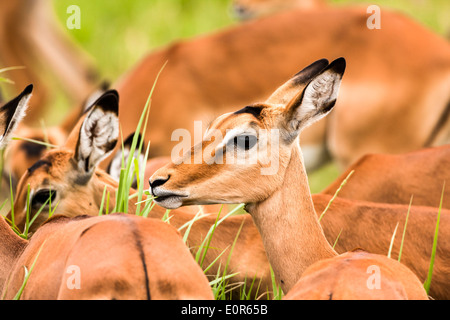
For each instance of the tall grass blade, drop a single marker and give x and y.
(392, 241)
(404, 230)
(427, 283)
(336, 194)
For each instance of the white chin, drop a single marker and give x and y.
(170, 203)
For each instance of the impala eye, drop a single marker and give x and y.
(245, 142)
(43, 196)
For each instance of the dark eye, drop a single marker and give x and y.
(245, 142)
(42, 197)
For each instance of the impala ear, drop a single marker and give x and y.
(98, 133)
(124, 154)
(316, 100)
(12, 113)
(289, 90)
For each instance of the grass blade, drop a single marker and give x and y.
(335, 194)
(427, 283)
(404, 230)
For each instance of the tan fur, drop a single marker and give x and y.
(382, 92)
(281, 204)
(395, 178)
(319, 282)
(118, 256)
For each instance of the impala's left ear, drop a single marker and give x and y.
(316, 100)
(98, 133)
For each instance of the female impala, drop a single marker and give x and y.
(280, 204)
(112, 257)
(116, 256)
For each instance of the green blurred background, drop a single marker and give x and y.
(118, 33)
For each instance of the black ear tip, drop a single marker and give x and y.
(338, 65)
(129, 140)
(109, 101)
(28, 90)
(313, 68)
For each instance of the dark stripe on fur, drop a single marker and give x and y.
(439, 125)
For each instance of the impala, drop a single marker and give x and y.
(117, 256)
(105, 266)
(396, 110)
(251, 9)
(281, 204)
(395, 178)
(114, 257)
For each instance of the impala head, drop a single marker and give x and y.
(236, 147)
(65, 174)
(22, 153)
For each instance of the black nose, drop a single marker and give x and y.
(158, 182)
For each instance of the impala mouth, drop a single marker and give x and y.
(168, 199)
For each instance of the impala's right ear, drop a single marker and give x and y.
(98, 133)
(314, 101)
(12, 113)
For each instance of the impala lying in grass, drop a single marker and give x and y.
(114, 257)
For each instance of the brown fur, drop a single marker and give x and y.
(319, 282)
(395, 178)
(118, 256)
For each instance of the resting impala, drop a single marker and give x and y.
(395, 178)
(117, 256)
(251, 9)
(384, 106)
(343, 217)
(280, 203)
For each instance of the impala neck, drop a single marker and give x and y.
(11, 246)
(289, 227)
